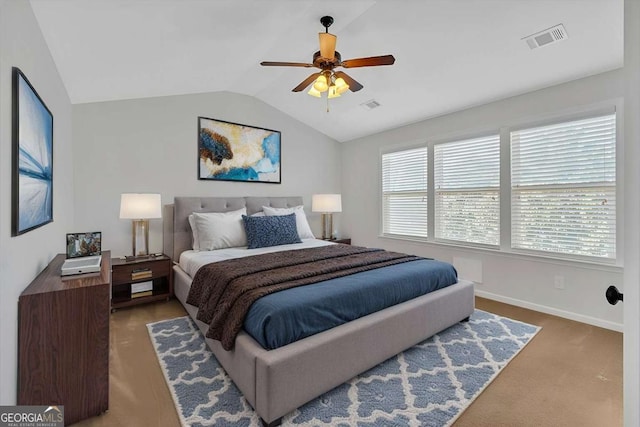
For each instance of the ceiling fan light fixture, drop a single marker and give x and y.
(314, 92)
(326, 60)
(321, 84)
(327, 45)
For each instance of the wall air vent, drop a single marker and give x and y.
(546, 37)
(370, 104)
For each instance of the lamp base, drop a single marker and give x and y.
(327, 226)
(140, 235)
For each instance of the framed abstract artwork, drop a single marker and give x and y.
(32, 161)
(234, 152)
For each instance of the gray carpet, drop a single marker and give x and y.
(430, 384)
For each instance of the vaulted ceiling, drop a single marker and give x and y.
(450, 54)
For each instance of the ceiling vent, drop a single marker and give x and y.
(370, 104)
(547, 37)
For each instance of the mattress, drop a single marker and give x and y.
(287, 316)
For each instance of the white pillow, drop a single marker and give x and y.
(219, 230)
(194, 231)
(304, 231)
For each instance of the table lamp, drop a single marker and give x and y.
(327, 204)
(140, 208)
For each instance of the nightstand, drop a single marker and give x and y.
(346, 241)
(140, 281)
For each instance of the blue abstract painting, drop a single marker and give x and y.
(32, 195)
(234, 152)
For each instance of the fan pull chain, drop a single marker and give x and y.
(327, 102)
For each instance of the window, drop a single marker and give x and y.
(404, 193)
(563, 188)
(554, 195)
(467, 190)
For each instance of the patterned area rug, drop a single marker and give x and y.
(430, 384)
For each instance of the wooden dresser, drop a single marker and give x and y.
(63, 341)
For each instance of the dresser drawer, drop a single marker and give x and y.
(126, 273)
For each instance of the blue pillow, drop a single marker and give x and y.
(263, 231)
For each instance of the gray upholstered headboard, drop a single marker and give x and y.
(177, 232)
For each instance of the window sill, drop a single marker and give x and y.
(600, 266)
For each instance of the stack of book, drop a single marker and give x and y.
(142, 273)
(141, 289)
(141, 294)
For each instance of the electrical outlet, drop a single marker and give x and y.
(558, 282)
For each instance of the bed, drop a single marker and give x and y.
(276, 382)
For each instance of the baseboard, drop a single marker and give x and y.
(619, 327)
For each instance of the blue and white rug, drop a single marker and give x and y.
(430, 384)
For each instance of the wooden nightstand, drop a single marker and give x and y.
(152, 274)
(346, 241)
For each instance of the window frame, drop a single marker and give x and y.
(614, 105)
(498, 190)
(617, 182)
(381, 194)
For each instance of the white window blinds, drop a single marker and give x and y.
(467, 190)
(563, 191)
(404, 193)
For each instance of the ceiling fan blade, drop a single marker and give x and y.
(354, 86)
(285, 64)
(371, 61)
(306, 82)
(327, 45)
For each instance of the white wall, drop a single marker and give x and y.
(150, 145)
(23, 257)
(632, 212)
(519, 280)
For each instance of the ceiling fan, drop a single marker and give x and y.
(327, 59)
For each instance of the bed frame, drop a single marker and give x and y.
(276, 382)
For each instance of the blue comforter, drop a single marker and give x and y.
(284, 317)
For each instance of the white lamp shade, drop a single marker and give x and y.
(341, 85)
(314, 92)
(321, 84)
(333, 92)
(326, 203)
(140, 206)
